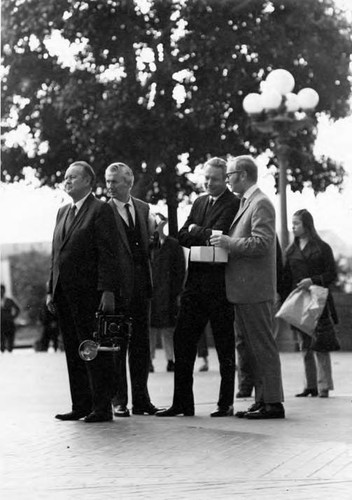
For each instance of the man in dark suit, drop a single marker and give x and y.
(251, 285)
(204, 297)
(135, 228)
(82, 280)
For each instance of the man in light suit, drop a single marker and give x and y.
(251, 285)
(82, 280)
(204, 297)
(135, 228)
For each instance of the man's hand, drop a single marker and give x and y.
(220, 240)
(107, 303)
(50, 304)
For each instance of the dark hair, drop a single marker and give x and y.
(307, 223)
(88, 170)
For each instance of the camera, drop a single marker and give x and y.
(115, 328)
(112, 333)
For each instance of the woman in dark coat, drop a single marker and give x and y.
(310, 261)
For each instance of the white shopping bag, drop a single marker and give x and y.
(303, 308)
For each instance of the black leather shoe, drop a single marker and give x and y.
(121, 411)
(98, 417)
(223, 412)
(243, 394)
(307, 392)
(72, 415)
(173, 412)
(267, 411)
(256, 406)
(149, 410)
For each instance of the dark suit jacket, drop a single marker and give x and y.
(85, 259)
(169, 269)
(125, 258)
(220, 217)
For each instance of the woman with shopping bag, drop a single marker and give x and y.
(310, 261)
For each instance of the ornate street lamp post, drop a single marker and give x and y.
(280, 113)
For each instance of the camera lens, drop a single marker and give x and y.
(113, 328)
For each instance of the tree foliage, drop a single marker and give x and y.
(150, 84)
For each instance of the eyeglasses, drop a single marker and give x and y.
(228, 175)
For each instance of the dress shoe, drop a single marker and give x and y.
(96, 416)
(173, 411)
(256, 406)
(121, 411)
(267, 411)
(72, 415)
(149, 410)
(324, 393)
(307, 392)
(243, 394)
(223, 412)
(170, 366)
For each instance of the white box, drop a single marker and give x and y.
(220, 254)
(208, 254)
(202, 254)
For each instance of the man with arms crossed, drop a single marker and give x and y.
(251, 285)
(82, 280)
(204, 297)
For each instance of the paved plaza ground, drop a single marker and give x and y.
(306, 456)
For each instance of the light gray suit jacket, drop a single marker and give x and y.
(251, 271)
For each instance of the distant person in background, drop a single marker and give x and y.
(310, 261)
(51, 330)
(168, 271)
(9, 312)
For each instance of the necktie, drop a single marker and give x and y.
(243, 201)
(211, 202)
(129, 216)
(70, 218)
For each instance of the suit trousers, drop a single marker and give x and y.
(90, 381)
(166, 333)
(197, 308)
(317, 365)
(245, 375)
(254, 322)
(138, 351)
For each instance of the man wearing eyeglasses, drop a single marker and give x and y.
(251, 285)
(204, 297)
